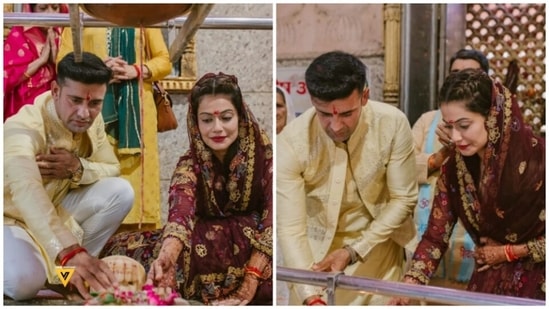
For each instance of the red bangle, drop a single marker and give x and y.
(71, 254)
(137, 69)
(254, 271)
(315, 301)
(509, 254)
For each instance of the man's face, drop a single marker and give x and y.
(78, 104)
(339, 118)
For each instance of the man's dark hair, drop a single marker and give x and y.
(91, 70)
(471, 54)
(335, 75)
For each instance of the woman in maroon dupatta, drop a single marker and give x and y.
(217, 243)
(29, 59)
(494, 183)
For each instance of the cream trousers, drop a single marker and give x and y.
(98, 208)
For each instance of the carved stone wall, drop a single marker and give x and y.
(305, 31)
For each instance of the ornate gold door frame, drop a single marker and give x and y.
(391, 84)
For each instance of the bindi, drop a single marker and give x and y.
(216, 113)
(88, 97)
(334, 110)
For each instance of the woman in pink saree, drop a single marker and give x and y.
(29, 60)
(494, 183)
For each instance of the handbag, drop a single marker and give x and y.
(166, 120)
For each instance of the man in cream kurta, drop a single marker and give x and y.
(61, 199)
(346, 177)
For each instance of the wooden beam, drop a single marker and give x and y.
(187, 31)
(76, 27)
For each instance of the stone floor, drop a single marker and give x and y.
(44, 298)
(51, 298)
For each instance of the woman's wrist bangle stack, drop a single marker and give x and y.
(254, 271)
(509, 254)
(71, 254)
(316, 301)
(137, 69)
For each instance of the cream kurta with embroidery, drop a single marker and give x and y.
(363, 195)
(34, 203)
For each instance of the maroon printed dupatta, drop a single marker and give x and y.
(243, 188)
(510, 208)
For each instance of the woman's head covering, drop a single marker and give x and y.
(289, 103)
(507, 201)
(236, 184)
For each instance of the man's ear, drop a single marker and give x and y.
(365, 96)
(55, 89)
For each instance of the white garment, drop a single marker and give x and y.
(99, 209)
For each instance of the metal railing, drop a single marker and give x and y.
(423, 293)
(50, 20)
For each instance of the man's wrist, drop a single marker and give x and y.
(76, 174)
(352, 253)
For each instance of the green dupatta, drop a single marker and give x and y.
(121, 109)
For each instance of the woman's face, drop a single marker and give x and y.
(467, 129)
(281, 112)
(217, 123)
(46, 8)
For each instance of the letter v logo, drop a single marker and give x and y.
(64, 274)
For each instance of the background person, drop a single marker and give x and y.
(29, 59)
(284, 109)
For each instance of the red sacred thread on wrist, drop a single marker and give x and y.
(254, 271)
(316, 301)
(71, 254)
(138, 70)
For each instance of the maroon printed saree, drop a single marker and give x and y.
(507, 205)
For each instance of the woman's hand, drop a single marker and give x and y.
(243, 295)
(52, 36)
(45, 55)
(162, 273)
(443, 137)
(489, 254)
(163, 269)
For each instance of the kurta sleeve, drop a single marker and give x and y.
(182, 202)
(159, 63)
(263, 240)
(65, 44)
(103, 161)
(291, 214)
(419, 132)
(434, 242)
